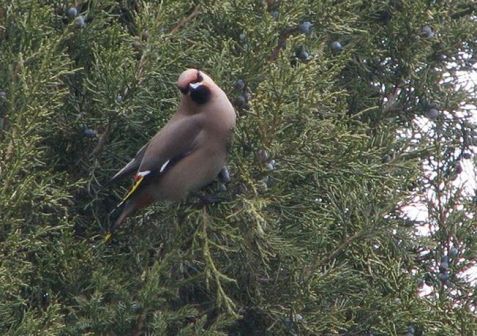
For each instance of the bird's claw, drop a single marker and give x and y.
(209, 199)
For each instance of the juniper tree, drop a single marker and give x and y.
(348, 113)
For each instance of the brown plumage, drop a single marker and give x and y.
(187, 153)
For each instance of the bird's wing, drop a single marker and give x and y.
(132, 166)
(175, 141)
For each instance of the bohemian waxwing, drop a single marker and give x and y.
(187, 153)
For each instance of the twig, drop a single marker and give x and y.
(102, 140)
(140, 325)
(464, 12)
(318, 263)
(183, 21)
(282, 42)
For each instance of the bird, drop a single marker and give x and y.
(187, 153)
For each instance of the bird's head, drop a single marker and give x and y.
(196, 85)
(200, 95)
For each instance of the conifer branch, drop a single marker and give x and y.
(184, 21)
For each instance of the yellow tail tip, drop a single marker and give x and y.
(132, 191)
(107, 237)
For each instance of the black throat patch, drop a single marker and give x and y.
(200, 95)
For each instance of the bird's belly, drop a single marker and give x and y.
(190, 174)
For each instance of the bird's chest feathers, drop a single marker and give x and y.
(210, 139)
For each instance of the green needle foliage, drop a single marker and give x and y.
(344, 129)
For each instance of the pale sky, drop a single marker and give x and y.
(467, 179)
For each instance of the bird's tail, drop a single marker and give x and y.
(116, 217)
(116, 213)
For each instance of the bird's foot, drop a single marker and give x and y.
(209, 199)
(224, 175)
